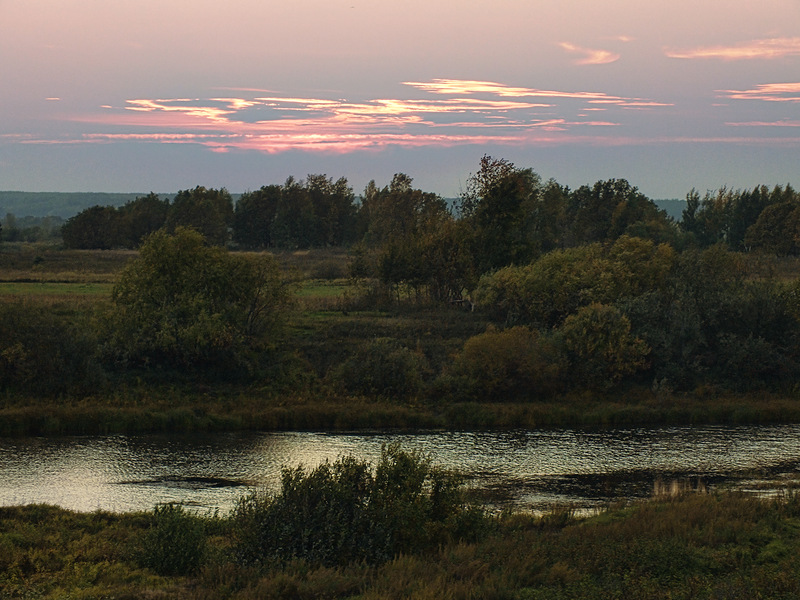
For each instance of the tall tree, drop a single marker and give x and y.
(608, 210)
(254, 216)
(206, 210)
(334, 210)
(141, 217)
(294, 222)
(92, 229)
(498, 203)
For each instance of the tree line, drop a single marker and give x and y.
(517, 215)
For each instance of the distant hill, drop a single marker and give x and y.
(673, 207)
(60, 204)
(67, 204)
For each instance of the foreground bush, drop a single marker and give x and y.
(725, 545)
(175, 543)
(344, 512)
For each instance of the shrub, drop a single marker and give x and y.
(45, 353)
(186, 304)
(383, 367)
(517, 363)
(175, 543)
(601, 348)
(345, 512)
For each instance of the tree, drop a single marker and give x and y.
(92, 229)
(412, 231)
(601, 348)
(777, 230)
(141, 217)
(498, 203)
(294, 217)
(608, 210)
(183, 303)
(334, 210)
(254, 215)
(208, 211)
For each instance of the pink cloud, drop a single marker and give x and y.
(459, 86)
(785, 123)
(769, 92)
(589, 56)
(473, 112)
(764, 49)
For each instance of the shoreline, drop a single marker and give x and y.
(244, 411)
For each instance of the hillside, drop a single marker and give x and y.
(58, 204)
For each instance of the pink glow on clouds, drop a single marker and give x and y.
(474, 112)
(769, 92)
(457, 86)
(765, 124)
(771, 48)
(486, 113)
(589, 56)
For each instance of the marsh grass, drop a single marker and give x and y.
(321, 263)
(47, 262)
(55, 290)
(718, 545)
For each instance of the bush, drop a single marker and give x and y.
(601, 348)
(383, 367)
(514, 364)
(344, 512)
(44, 353)
(175, 543)
(186, 304)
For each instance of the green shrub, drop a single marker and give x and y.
(45, 353)
(513, 364)
(193, 306)
(601, 348)
(344, 512)
(383, 367)
(175, 543)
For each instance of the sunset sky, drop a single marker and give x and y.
(141, 95)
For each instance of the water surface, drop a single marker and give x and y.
(532, 468)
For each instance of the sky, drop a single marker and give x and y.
(146, 95)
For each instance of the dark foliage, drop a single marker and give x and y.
(175, 543)
(46, 353)
(344, 512)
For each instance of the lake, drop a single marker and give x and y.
(531, 469)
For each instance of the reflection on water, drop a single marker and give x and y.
(534, 469)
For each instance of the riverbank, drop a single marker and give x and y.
(700, 546)
(156, 410)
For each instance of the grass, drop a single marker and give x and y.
(50, 263)
(51, 289)
(131, 409)
(720, 545)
